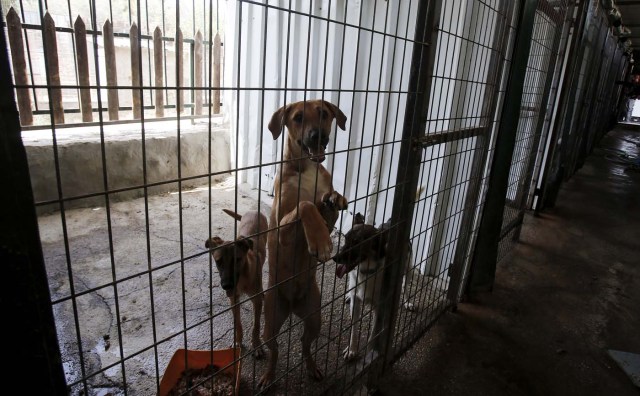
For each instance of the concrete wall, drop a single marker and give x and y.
(81, 162)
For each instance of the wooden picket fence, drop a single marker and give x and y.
(21, 77)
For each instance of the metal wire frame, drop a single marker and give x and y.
(346, 376)
(462, 115)
(601, 105)
(541, 71)
(82, 385)
(565, 150)
(88, 376)
(446, 216)
(598, 33)
(552, 107)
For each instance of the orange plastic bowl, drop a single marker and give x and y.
(199, 360)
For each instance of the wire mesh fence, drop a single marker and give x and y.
(351, 157)
(598, 54)
(468, 66)
(541, 71)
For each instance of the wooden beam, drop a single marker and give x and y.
(198, 62)
(157, 63)
(111, 70)
(51, 53)
(14, 27)
(82, 58)
(136, 78)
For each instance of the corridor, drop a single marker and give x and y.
(565, 295)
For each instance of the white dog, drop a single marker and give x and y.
(365, 250)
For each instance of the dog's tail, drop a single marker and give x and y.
(232, 214)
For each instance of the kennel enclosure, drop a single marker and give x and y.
(137, 122)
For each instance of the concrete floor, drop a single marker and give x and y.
(145, 320)
(566, 294)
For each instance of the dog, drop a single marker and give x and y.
(240, 265)
(305, 209)
(365, 248)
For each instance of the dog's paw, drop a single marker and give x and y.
(321, 246)
(409, 306)
(265, 380)
(313, 371)
(335, 200)
(258, 352)
(349, 354)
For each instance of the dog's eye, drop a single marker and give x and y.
(298, 118)
(324, 114)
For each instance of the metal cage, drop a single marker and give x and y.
(139, 130)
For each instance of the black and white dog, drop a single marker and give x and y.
(365, 249)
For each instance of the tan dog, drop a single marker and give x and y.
(239, 265)
(305, 208)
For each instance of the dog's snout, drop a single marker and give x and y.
(315, 138)
(346, 255)
(227, 285)
(314, 135)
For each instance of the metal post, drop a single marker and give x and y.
(587, 132)
(524, 188)
(497, 63)
(552, 178)
(33, 347)
(483, 268)
(419, 86)
(571, 151)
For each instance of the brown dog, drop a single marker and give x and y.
(305, 208)
(239, 265)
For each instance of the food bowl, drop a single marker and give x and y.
(184, 359)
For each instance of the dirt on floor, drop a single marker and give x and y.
(567, 293)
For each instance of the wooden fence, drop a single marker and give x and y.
(85, 106)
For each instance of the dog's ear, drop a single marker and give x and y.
(358, 219)
(213, 242)
(341, 119)
(245, 244)
(278, 121)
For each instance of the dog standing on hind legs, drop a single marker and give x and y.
(305, 209)
(240, 265)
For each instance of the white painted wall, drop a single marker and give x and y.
(310, 58)
(295, 57)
